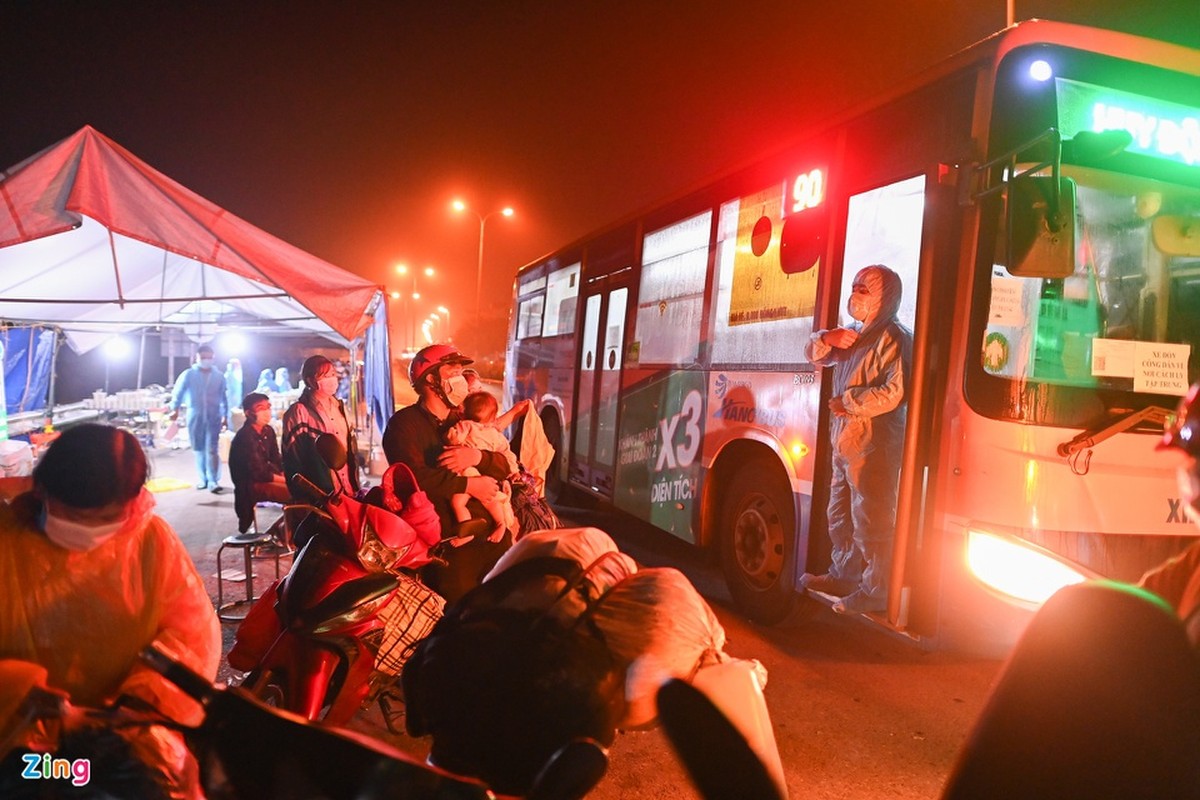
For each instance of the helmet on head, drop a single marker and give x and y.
(432, 357)
(1184, 431)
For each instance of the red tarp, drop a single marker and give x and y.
(96, 241)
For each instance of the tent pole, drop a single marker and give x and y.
(48, 423)
(141, 359)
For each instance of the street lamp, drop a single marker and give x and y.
(446, 312)
(460, 207)
(436, 324)
(115, 349)
(403, 269)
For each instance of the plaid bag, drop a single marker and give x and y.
(532, 511)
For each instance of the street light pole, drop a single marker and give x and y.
(460, 207)
(409, 300)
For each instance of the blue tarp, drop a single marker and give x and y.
(377, 369)
(28, 360)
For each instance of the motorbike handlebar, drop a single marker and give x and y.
(310, 490)
(190, 683)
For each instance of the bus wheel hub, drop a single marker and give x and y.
(758, 542)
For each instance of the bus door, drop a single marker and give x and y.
(601, 352)
(884, 225)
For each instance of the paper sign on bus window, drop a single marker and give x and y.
(1161, 368)
(1113, 358)
(1006, 307)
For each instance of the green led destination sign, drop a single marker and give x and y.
(1160, 129)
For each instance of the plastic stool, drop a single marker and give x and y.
(279, 522)
(229, 612)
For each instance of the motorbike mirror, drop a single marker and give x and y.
(572, 772)
(697, 730)
(331, 450)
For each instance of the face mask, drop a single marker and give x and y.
(77, 536)
(858, 306)
(206, 363)
(455, 390)
(263, 417)
(81, 537)
(327, 385)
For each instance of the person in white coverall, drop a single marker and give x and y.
(872, 361)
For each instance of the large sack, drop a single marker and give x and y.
(658, 624)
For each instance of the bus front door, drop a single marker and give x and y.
(593, 449)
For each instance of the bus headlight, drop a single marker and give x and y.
(1018, 569)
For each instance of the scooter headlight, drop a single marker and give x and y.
(352, 616)
(376, 556)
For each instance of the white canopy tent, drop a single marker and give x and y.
(95, 241)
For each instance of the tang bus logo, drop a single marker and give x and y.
(740, 407)
(723, 384)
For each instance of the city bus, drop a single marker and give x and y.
(1039, 194)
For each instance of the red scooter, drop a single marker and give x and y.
(331, 635)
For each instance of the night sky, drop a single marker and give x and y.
(346, 128)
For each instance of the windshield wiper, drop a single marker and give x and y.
(1090, 438)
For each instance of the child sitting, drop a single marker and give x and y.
(483, 428)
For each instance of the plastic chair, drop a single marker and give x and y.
(235, 611)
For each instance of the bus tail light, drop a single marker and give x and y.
(1017, 569)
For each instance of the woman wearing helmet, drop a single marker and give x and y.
(1178, 580)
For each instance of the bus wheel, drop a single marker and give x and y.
(758, 542)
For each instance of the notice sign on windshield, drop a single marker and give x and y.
(1161, 368)
(1156, 367)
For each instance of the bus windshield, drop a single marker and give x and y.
(1119, 332)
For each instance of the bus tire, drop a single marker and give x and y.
(758, 542)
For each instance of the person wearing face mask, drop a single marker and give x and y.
(255, 465)
(201, 389)
(319, 411)
(91, 576)
(872, 362)
(415, 436)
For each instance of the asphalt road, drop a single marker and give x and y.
(856, 712)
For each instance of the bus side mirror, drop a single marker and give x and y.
(1041, 227)
(1176, 236)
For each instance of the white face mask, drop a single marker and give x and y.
(263, 417)
(327, 385)
(78, 536)
(206, 363)
(81, 537)
(858, 306)
(455, 389)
